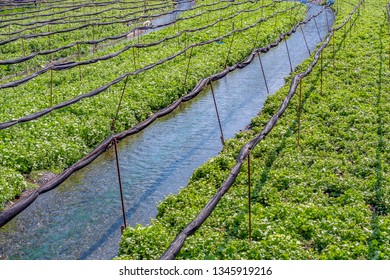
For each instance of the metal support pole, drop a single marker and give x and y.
(230, 47)
(321, 72)
(216, 110)
(120, 185)
(262, 8)
(345, 30)
(48, 31)
(135, 65)
(318, 31)
(304, 38)
(93, 37)
(275, 22)
(299, 112)
(178, 31)
(24, 50)
(249, 198)
(256, 38)
(119, 105)
(327, 21)
(185, 42)
(219, 28)
(24, 54)
(262, 69)
(138, 35)
(350, 26)
(78, 55)
(51, 85)
(188, 68)
(334, 50)
(288, 54)
(51, 55)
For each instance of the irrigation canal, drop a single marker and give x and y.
(81, 218)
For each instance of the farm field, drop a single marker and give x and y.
(322, 194)
(55, 114)
(307, 179)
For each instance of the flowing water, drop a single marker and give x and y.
(81, 219)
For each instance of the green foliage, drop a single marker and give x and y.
(328, 198)
(137, 246)
(84, 16)
(11, 185)
(59, 139)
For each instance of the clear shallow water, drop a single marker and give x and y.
(81, 219)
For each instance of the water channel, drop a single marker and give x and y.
(81, 219)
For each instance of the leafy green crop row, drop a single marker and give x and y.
(67, 84)
(328, 198)
(89, 33)
(43, 7)
(23, 47)
(58, 140)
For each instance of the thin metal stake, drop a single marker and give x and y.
(288, 54)
(24, 51)
(350, 26)
(219, 28)
(178, 31)
(249, 198)
(318, 31)
(51, 85)
(48, 31)
(327, 21)
(93, 37)
(188, 68)
(120, 184)
(299, 112)
(216, 110)
(345, 30)
(138, 34)
(78, 54)
(262, 69)
(321, 72)
(275, 23)
(119, 105)
(230, 47)
(256, 38)
(185, 42)
(334, 51)
(388, 31)
(304, 38)
(135, 65)
(262, 8)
